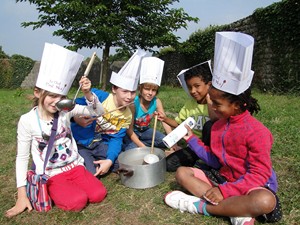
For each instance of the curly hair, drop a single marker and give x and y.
(244, 100)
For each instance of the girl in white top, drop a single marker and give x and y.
(70, 185)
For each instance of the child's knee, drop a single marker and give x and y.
(182, 173)
(98, 195)
(75, 203)
(268, 202)
(264, 201)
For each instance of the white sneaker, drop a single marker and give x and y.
(181, 201)
(242, 220)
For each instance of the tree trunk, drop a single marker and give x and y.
(105, 66)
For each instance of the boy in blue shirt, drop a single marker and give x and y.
(100, 141)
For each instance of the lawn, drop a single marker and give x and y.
(132, 206)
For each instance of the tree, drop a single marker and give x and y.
(3, 55)
(127, 24)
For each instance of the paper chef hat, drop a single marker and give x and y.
(128, 77)
(204, 67)
(151, 70)
(232, 62)
(58, 69)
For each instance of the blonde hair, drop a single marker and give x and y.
(148, 85)
(43, 94)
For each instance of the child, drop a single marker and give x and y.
(100, 142)
(70, 185)
(239, 181)
(196, 81)
(139, 133)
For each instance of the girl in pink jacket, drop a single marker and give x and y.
(236, 179)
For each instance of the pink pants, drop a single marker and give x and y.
(201, 176)
(72, 190)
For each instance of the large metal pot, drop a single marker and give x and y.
(134, 173)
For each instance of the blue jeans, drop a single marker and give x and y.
(146, 138)
(95, 151)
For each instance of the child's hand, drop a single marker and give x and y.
(83, 121)
(213, 195)
(211, 112)
(160, 116)
(86, 88)
(104, 166)
(85, 84)
(189, 133)
(208, 100)
(21, 204)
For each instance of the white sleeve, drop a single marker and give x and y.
(96, 104)
(94, 108)
(23, 150)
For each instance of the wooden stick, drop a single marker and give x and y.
(89, 66)
(86, 73)
(153, 135)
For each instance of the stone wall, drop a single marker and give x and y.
(174, 63)
(262, 55)
(30, 80)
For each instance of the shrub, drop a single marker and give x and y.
(14, 70)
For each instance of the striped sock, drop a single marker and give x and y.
(201, 207)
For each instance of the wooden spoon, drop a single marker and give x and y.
(152, 158)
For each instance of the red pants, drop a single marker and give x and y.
(72, 190)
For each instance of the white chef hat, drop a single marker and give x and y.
(232, 62)
(128, 77)
(151, 70)
(197, 69)
(58, 69)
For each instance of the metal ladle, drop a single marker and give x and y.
(152, 158)
(69, 104)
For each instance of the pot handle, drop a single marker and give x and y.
(126, 172)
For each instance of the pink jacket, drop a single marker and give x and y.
(240, 149)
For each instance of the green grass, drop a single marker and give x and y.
(131, 206)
